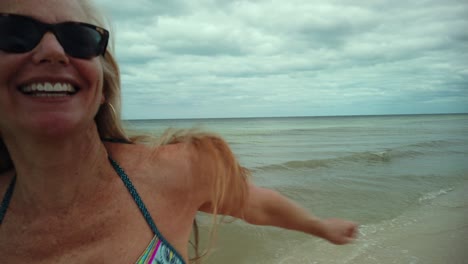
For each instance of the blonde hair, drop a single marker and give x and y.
(213, 157)
(108, 118)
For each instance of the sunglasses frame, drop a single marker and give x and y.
(54, 29)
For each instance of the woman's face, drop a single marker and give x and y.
(47, 113)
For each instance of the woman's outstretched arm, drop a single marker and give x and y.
(268, 207)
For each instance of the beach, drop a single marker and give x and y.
(403, 178)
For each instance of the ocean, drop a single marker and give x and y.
(403, 178)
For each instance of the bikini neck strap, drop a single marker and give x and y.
(7, 198)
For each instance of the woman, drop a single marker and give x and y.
(74, 186)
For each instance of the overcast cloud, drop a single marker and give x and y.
(219, 58)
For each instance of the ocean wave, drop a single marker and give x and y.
(434, 144)
(427, 197)
(296, 164)
(293, 131)
(359, 157)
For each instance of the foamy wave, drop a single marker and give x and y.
(433, 195)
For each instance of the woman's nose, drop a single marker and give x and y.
(49, 50)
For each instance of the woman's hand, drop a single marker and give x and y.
(339, 231)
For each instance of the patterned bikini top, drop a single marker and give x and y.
(159, 251)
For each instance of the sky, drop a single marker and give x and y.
(258, 58)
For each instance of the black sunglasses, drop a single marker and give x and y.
(19, 34)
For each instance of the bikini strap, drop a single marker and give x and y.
(142, 207)
(7, 198)
(135, 196)
(117, 140)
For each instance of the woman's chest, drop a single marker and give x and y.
(117, 233)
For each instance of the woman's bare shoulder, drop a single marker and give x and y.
(167, 164)
(143, 152)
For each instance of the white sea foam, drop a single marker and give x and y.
(433, 195)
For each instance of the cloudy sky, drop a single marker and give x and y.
(221, 58)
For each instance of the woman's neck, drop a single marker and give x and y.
(56, 175)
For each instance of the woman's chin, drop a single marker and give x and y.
(55, 127)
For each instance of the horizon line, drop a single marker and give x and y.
(298, 116)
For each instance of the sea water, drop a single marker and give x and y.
(403, 178)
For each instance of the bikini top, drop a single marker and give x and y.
(159, 251)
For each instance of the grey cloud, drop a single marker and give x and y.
(138, 9)
(257, 56)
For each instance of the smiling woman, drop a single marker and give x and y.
(75, 187)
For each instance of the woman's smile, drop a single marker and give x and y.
(48, 89)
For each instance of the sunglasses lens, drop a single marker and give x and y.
(17, 34)
(79, 40)
(20, 34)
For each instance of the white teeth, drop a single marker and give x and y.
(50, 94)
(58, 87)
(48, 87)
